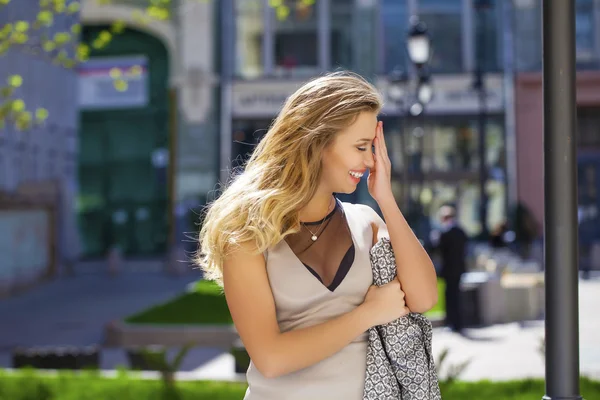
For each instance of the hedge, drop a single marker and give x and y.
(91, 385)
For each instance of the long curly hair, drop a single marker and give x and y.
(260, 206)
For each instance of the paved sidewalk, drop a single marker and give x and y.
(510, 351)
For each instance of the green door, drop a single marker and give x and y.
(123, 192)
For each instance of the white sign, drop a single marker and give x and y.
(455, 94)
(261, 99)
(100, 84)
(452, 94)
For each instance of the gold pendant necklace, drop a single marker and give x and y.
(314, 236)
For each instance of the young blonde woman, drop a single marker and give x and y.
(294, 260)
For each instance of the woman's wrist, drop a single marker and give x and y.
(365, 316)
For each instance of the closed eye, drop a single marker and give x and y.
(362, 148)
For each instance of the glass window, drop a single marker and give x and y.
(486, 23)
(588, 127)
(394, 18)
(341, 33)
(584, 29)
(528, 35)
(444, 23)
(296, 42)
(446, 144)
(249, 38)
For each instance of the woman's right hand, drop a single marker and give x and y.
(385, 303)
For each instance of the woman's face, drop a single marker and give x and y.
(350, 154)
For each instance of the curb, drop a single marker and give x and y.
(120, 334)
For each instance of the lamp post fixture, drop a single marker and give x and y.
(407, 101)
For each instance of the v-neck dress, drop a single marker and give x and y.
(301, 301)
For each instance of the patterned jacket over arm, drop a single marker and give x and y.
(400, 364)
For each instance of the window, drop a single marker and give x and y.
(486, 35)
(296, 42)
(342, 29)
(528, 35)
(444, 23)
(584, 29)
(394, 23)
(249, 38)
(445, 144)
(588, 127)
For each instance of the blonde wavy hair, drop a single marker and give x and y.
(260, 206)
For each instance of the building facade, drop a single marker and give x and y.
(272, 57)
(528, 108)
(38, 164)
(148, 152)
(216, 73)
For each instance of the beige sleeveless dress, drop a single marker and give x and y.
(302, 300)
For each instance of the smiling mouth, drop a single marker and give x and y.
(356, 175)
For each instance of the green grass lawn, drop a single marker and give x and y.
(440, 308)
(207, 305)
(31, 385)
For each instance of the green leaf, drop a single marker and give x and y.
(76, 29)
(41, 114)
(15, 81)
(105, 36)
(18, 105)
(158, 13)
(59, 6)
(120, 85)
(45, 17)
(21, 26)
(118, 27)
(20, 38)
(62, 37)
(136, 70)
(115, 73)
(73, 8)
(49, 45)
(282, 12)
(7, 91)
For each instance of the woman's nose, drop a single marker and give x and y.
(369, 159)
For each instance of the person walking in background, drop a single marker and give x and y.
(451, 244)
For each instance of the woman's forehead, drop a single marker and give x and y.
(363, 127)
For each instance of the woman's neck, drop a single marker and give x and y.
(317, 208)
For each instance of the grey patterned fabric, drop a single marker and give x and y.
(400, 362)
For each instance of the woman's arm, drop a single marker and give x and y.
(415, 270)
(252, 308)
(414, 267)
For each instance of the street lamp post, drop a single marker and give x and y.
(560, 197)
(418, 46)
(481, 7)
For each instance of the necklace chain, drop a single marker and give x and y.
(314, 236)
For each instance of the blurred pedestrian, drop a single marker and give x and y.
(451, 244)
(294, 260)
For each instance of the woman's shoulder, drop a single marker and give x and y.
(370, 218)
(362, 210)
